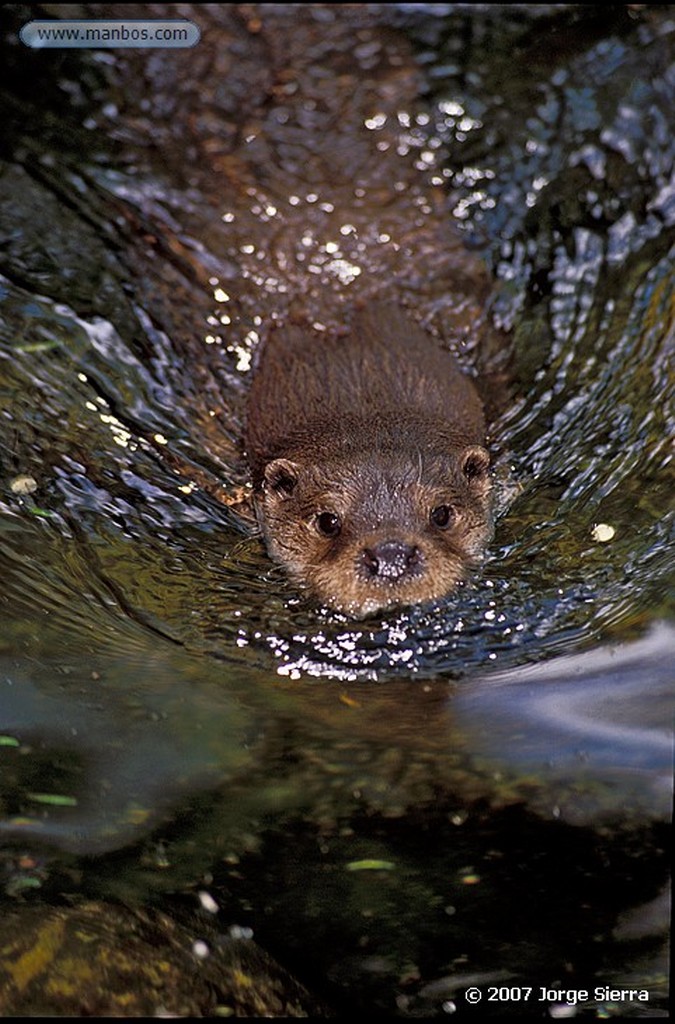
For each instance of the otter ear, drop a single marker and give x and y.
(281, 476)
(475, 464)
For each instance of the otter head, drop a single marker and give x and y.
(367, 532)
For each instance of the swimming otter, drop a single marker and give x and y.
(367, 455)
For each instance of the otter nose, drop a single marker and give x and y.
(391, 560)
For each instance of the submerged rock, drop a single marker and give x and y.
(103, 960)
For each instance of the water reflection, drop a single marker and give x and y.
(100, 746)
(597, 727)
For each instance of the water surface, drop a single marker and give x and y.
(403, 807)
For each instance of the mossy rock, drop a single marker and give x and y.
(105, 960)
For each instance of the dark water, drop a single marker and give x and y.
(476, 793)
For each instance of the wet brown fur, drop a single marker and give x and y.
(378, 427)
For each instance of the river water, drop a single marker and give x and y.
(476, 793)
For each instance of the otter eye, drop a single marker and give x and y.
(442, 516)
(329, 524)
